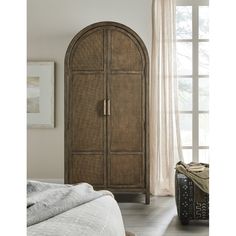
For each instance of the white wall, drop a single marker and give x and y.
(51, 26)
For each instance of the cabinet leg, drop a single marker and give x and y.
(147, 198)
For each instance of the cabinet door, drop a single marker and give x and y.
(126, 150)
(87, 123)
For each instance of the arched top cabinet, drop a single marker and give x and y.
(106, 109)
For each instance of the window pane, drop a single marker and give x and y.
(203, 58)
(184, 58)
(203, 94)
(183, 22)
(204, 155)
(204, 22)
(186, 129)
(203, 129)
(187, 155)
(185, 94)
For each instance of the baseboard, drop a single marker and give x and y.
(56, 181)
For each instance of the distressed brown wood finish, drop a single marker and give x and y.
(106, 109)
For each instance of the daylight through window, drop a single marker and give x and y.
(192, 34)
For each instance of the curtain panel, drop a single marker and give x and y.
(165, 145)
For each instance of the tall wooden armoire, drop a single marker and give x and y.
(106, 109)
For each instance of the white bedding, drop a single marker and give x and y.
(100, 216)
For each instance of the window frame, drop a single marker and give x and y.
(195, 75)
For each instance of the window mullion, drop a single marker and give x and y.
(195, 133)
(192, 2)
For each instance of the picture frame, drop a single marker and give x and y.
(40, 94)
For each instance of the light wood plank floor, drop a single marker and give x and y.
(157, 219)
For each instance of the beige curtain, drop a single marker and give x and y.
(165, 148)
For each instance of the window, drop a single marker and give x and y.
(192, 34)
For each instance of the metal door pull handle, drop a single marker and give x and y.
(108, 107)
(104, 107)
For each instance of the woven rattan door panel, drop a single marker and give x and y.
(88, 53)
(88, 168)
(87, 119)
(125, 54)
(106, 109)
(130, 175)
(126, 119)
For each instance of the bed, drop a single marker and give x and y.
(55, 209)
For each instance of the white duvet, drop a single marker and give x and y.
(96, 213)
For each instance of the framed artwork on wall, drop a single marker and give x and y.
(40, 94)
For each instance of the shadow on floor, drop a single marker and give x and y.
(131, 198)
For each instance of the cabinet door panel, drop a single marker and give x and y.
(88, 168)
(88, 52)
(124, 52)
(126, 170)
(126, 120)
(87, 118)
